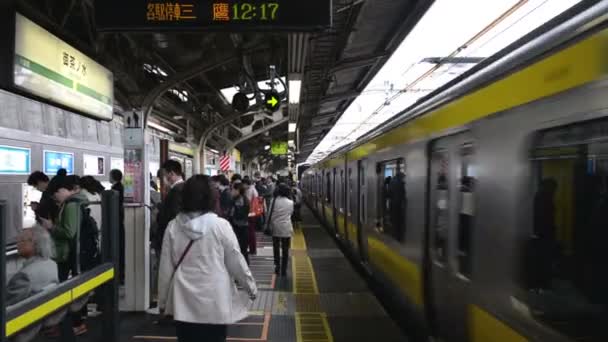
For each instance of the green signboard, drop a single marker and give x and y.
(279, 148)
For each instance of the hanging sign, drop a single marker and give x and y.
(47, 67)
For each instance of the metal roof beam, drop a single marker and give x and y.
(453, 60)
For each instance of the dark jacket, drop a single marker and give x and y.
(169, 209)
(121, 201)
(240, 212)
(47, 208)
(226, 203)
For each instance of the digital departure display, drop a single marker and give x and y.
(195, 15)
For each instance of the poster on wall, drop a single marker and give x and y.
(14, 160)
(94, 165)
(133, 176)
(53, 161)
(189, 169)
(118, 164)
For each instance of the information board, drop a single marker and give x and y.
(93, 165)
(221, 15)
(279, 148)
(47, 67)
(14, 160)
(53, 161)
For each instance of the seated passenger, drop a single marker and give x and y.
(39, 272)
(200, 260)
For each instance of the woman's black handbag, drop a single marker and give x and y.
(268, 229)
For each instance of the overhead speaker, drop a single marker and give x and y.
(240, 102)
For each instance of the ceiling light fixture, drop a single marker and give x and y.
(294, 91)
(159, 127)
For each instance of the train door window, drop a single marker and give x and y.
(350, 191)
(362, 194)
(341, 190)
(335, 195)
(467, 210)
(564, 260)
(391, 198)
(440, 204)
(328, 188)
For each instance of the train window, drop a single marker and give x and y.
(341, 190)
(392, 198)
(441, 199)
(467, 210)
(362, 190)
(329, 188)
(564, 258)
(350, 191)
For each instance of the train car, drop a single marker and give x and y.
(481, 207)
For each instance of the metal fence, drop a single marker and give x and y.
(20, 321)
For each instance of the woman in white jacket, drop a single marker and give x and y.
(282, 229)
(200, 292)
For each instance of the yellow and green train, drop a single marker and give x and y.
(483, 208)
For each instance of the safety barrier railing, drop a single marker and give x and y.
(51, 306)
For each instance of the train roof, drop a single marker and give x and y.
(573, 24)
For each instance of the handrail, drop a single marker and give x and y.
(36, 308)
(101, 278)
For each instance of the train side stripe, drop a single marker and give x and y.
(401, 271)
(484, 327)
(582, 63)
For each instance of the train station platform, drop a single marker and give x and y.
(322, 299)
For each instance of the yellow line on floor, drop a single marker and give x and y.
(298, 242)
(312, 326)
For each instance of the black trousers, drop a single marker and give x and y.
(194, 332)
(280, 249)
(121, 241)
(242, 235)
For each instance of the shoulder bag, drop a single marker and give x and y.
(268, 229)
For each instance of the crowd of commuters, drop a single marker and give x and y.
(65, 239)
(204, 231)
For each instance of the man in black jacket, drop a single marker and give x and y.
(47, 208)
(116, 180)
(171, 205)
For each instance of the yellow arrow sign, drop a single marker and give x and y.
(273, 101)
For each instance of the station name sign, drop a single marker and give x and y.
(214, 15)
(47, 67)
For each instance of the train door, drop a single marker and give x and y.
(361, 207)
(351, 208)
(450, 224)
(343, 206)
(336, 198)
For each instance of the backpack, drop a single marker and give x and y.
(89, 239)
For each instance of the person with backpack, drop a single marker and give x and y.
(239, 218)
(74, 229)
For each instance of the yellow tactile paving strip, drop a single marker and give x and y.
(304, 281)
(298, 242)
(310, 326)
